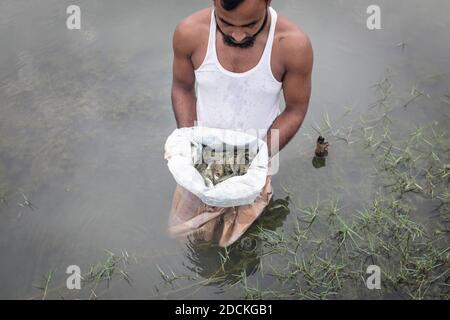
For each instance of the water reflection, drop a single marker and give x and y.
(319, 162)
(224, 266)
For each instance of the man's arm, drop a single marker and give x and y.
(183, 82)
(296, 89)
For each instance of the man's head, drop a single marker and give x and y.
(240, 21)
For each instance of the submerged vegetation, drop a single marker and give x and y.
(325, 249)
(321, 248)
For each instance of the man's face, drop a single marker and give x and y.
(240, 26)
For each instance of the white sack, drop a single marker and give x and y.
(235, 191)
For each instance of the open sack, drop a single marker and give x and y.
(183, 149)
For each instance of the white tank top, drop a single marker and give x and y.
(242, 101)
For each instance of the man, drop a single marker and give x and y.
(241, 55)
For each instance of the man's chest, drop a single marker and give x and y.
(240, 60)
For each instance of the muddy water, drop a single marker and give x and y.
(84, 116)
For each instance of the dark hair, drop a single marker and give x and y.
(230, 4)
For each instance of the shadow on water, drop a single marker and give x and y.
(225, 266)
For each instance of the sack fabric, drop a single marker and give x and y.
(235, 191)
(220, 213)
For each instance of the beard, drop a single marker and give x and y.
(248, 42)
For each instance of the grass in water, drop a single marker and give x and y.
(320, 248)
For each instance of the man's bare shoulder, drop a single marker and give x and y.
(191, 30)
(293, 44)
